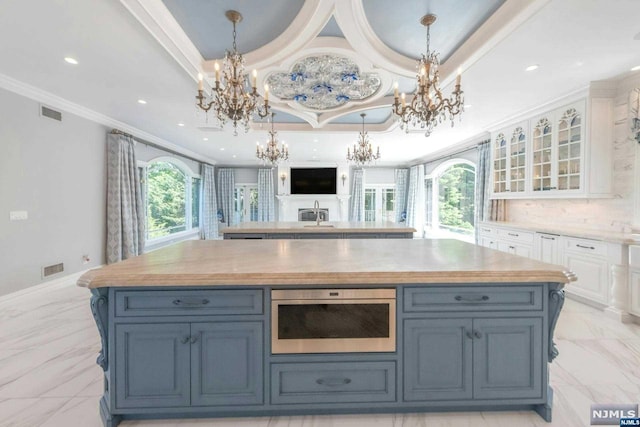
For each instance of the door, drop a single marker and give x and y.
(379, 203)
(226, 363)
(152, 365)
(245, 200)
(507, 358)
(592, 272)
(437, 359)
(547, 246)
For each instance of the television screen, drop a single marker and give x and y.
(313, 180)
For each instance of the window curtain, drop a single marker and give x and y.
(415, 199)
(125, 211)
(209, 220)
(266, 195)
(401, 194)
(357, 196)
(226, 186)
(498, 210)
(483, 182)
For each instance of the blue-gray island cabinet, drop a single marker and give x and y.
(174, 346)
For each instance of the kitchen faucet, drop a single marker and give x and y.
(316, 209)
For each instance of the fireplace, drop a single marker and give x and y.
(309, 214)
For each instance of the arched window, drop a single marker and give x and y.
(172, 198)
(450, 200)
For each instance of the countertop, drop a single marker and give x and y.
(606, 236)
(310, 227)
(322, 262)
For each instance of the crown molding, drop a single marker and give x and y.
(57, 102)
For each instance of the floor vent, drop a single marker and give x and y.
(52, 269)
(52, 114)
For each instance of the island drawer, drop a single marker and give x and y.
(189, 302)
(333, 382)
(480, 298)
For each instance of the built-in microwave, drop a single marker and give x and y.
(333, 320)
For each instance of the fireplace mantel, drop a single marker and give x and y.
(290, 203)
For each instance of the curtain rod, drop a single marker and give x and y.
(159, 147)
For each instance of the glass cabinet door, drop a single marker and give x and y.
(500, 164)
(517, 164)
(569, 150)
(542, 160)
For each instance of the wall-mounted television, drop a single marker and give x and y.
(313, 180)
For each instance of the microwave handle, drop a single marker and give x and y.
(333, 381)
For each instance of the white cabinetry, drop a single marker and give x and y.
(588, 259)
(634, 279)
(564, 152)
(513, 241)
(546, 248)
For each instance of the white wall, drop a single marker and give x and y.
(615, 214)
(56, 172)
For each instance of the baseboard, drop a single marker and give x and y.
(58, 283)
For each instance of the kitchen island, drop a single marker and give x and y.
(193, 330)
(322, 230)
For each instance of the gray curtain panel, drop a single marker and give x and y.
(357, 196)
(209, 220)
(125, 211)
(483, 180)
(401, 193)
(266, 195)
(416, 186)
(226, 184)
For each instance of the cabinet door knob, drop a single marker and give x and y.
(469, 334)
(184, 340)
(193, 340)
(477, 334)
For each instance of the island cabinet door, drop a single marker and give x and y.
(226, 363)
(152, 365)
(437, 359)
(507, 358)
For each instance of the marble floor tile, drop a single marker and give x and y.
(31, 412)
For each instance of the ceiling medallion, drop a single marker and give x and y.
(272, 153)
(428, 106)
(324, 82)
(362, 152)
(231, 97)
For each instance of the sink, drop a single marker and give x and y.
(320, 226)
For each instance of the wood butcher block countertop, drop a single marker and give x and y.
(322, 262)
(326, 227)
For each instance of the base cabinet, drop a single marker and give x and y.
(451, 359)
(182, 364)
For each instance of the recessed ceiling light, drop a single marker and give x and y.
(468, 106)
(221, 148)
(315, 140)
(141, 101)
(579, 64)
(181, 124)
(71, 60)
(205, 139)
(532, 67)
(315, 149)
(234, 156)
(636, 68)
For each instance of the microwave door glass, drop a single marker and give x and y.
(309, 321)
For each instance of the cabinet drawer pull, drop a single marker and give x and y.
(472, 298)
(333, 382)
(194, 340)
(585, 247)
(195, 303)
(477, 334)
(512, 247)
(548, 238)
(486, 230)
(513, 234)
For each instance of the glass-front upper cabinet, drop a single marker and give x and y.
(509, 164)
(558, 146)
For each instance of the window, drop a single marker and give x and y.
(172, 198)
(245, 201)
(450, 201)
(379, 203)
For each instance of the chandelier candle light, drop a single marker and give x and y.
(229, 99)
(272, 153)
(362, 152)
(428, 106)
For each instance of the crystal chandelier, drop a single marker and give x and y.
(229, 98)
(428, 106)
(362, 152)
(272, 153)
